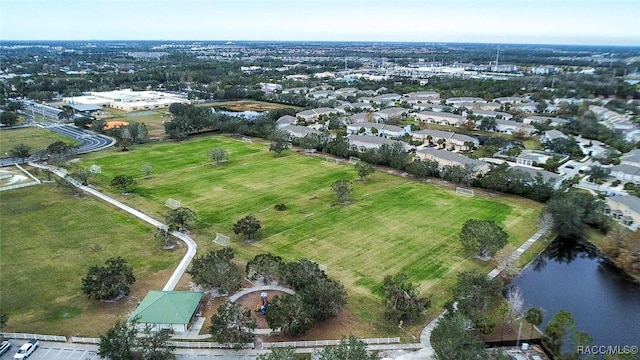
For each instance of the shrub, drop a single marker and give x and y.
(280, 207)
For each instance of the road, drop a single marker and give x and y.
(90, 141)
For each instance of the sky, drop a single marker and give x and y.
(581, 22)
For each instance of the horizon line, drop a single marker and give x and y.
(324, 41)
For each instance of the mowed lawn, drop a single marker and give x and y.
(393, 223)
(36, 138)
(47, 243)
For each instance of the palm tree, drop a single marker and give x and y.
(441, 142)
(533, 316)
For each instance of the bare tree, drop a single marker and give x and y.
(506, 264)
(515, 301)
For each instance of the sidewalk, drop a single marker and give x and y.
(425, 336)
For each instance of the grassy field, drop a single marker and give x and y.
(249, 105)
(48, 241)
(394, 223)
(36, 138)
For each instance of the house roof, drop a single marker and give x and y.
(376, 140)
(626, 169)
(300, 130)
(546, 175)
(368, 125)
(86, 107)
(463, 138)
(441, 114)
(451, 156)
(554, 134)
(393, 111)
(434, 133)
(632, 156)
(631, 202)
(167, 307)
(287, 119)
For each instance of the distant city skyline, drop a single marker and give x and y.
(572, 22)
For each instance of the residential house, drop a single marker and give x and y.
(172, 310)
(549, 177)
(552, 121)
(418, 97)
(511, 100)
(382, 130)
(551, 135)
(313, 115)
(527, 108)
(544, 70)
(362, 106)
(296, 90)
(320, 94)
(440, 118)
(455, 101)
(444, 158)
(492, 114)
(513, 127)
(625, 209)
(450, 140)
(392, 113)
(362, 143)
(489, 106)
(346, 92)
(626, 173)
(386, 99)
(286, 120)
(631, 158)
(430, 107)
(298, 132)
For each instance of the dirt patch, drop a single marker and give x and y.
(252, 300)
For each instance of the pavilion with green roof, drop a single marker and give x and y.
(174, 310)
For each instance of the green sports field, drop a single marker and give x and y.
(393, 224)
(49, 239)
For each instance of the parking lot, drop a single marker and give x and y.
(69, 351)
(54, 351)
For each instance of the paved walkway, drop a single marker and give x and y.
(191, 244)
(425, 336)
(253, 289)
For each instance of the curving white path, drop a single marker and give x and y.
(191, 244)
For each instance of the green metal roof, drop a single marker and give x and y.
(167, 307)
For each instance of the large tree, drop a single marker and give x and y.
(22, 151)
(180, 218)
(248, 226)
(453, 339)
(216, 270)
(476, 294)
(364, 169)
(482, 237)
(109, 281)
(349, 349)
(82, 175)
(290, 314)
(572, 211)
(343, 190)
(403, 302)
(268, 267)
(561, 333)
(218, 155)
(279, 142)
(8, 118)
(122, 182)
(232, 324)
(124, 342)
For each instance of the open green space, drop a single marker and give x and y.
(37, 138)
(393, 223)
(48, 241)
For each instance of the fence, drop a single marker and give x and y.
(35, 336)
(206, 345)
(84, 340)
(319, 343)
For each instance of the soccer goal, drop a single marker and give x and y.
(222, 240)
(247, 140)
(463, 191)
(353, 160)
(330, 159)
(172, 203)
(95, 169)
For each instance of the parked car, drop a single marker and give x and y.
(5, 346)
(26, 349)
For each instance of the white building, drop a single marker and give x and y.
(128, 100)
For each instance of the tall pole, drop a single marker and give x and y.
(519, 330)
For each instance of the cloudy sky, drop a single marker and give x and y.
(606, 22)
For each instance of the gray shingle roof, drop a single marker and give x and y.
(632, 202)
(546, 175)
(451, 156)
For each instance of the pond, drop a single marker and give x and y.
(574, 277)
